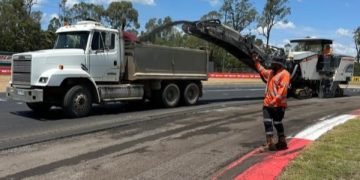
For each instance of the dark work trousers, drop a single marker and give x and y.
(273, 116)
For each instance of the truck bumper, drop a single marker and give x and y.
(25, 95)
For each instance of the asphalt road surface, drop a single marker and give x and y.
(125, 141)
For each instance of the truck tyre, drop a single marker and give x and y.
(191, 94)
(40, 107)
(77, 102)
(170, 95)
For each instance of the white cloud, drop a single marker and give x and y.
(39, 3)
(286, 41)
(54, 16)
(144, 2)
(344, 49)
(70, 3)
(284, 25)
(344, 32)
(212, 3)
(260, 30)
(44, 18)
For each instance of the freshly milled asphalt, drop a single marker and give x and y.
(19, 125)
(149, 143)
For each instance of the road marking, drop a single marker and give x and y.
(272, 164)
(314, 132)
(3, 100)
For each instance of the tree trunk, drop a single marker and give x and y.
(267, 39)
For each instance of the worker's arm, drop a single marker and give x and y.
(282, 89)
(262, 71)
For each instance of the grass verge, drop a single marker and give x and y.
(336, 155)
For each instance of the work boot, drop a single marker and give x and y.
(281, 144)
(270, 145)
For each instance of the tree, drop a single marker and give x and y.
(28, 4)
(122, 15)
(54, 24)
(357, 43)
(82, 11)
(274, 12)
(163, 36)
(238, 14)
(150, 25)
(64, 15)
(20, 27)
(211, 15)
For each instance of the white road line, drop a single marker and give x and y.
(3, 100)
(314, 132)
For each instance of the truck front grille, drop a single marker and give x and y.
(21, 71)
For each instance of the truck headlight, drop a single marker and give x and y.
(43, 80)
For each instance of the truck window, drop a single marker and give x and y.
(97, 42)
(112, 41)
(71, 40)
(109, 41)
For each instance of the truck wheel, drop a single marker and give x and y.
(39, 107)
(191, 94)
(339, 92)
(77, 102)
(170, 95)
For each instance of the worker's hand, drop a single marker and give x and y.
(255, 58)
(271, 104)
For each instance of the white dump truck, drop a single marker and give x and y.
(94, 64)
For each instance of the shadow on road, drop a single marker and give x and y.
(56, 114)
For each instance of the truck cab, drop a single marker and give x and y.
(327, 62)
(94, 64)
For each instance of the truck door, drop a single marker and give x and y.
(98, 58)
(111, 46)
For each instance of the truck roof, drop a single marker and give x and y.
(85, 26)
(313, 40)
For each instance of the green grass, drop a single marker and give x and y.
(336, 155)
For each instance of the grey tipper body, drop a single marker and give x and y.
(94, 64)
(161, 62)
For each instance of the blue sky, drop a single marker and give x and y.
(334, 19)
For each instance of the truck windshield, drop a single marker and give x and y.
(71, 40)
(306, 46)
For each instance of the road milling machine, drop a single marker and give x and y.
(315, 70)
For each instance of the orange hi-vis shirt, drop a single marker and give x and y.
(276, 87)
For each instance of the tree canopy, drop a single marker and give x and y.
(122, 15)
(238, 14)
(357, 43)
(274, 12)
